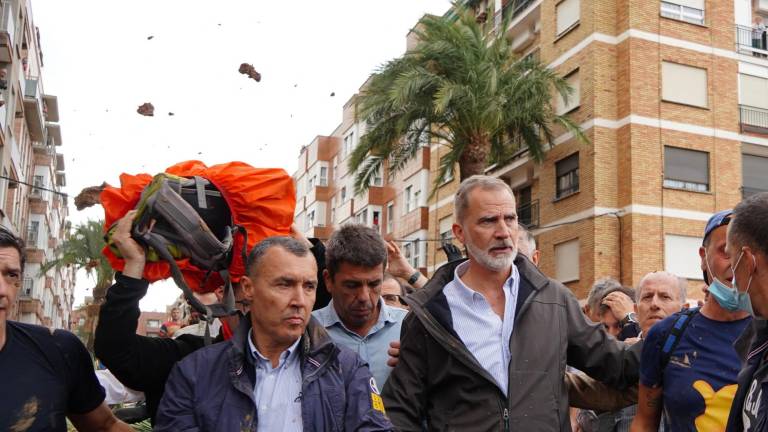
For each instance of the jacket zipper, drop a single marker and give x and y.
(506, 420)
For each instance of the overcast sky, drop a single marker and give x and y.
(102, 66)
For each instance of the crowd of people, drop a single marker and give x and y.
(346, 335)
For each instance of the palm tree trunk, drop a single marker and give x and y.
(92, 315)
(474, 159)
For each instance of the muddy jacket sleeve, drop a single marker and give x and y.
(586, 393)
(404, 395)
(594, 352)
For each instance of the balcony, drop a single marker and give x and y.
(511, 10)
(51, 108)
(7, 33)
(54, 134)
(32, 238)
(528, 214)
(751, 41)
(33, 110)
(753, 119)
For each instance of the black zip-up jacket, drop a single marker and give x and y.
(143, 363)
(438, 381)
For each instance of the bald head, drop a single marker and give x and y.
(659, 295)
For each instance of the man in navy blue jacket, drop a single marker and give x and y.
(281, 371)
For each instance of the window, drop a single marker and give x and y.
(567, 261)
(524, 213)
(323, 176)
(678, 251)
(349, 144)
(446, 230)
(3, 189)
(343, 194)
(753, 91)
(686, 169)
(574, 99)
(416, 199)
(29, 284)
(567, 15)
(390, 217)
(310, 220)
(39, 182)
(684, 84)
(411, 253)
(448, 177)
(310, 183)
(153, 323)
(32, 233)
(408, 199)
(375, 218)
(362, 217)
(684, 10)
(408, 252)
(567, 172)
(335, 167)
(754, 174)
(81, 321)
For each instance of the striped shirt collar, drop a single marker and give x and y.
(287, 356)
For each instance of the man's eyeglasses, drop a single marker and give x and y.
(393, 298)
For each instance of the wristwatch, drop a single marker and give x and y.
(414, 277)
(629, 318)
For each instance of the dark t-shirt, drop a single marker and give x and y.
(700, 379)
(43, 377)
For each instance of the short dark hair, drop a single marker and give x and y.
(748, 225)
(9, 239)
(290, 244)
(355, 244)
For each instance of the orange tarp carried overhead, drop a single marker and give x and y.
(261, 200)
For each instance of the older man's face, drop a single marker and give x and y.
(489, 229)
(659, 298)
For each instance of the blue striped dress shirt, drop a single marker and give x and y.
(278, 390)
(482, 331)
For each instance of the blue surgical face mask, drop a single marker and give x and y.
(730, 299)
(742, 297)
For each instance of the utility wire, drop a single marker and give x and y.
(34, 186)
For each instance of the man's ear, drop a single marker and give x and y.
(246, 284)
(458, 232)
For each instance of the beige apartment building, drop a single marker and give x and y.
(31, 202)
(673, 96)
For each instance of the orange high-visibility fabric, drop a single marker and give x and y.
(261, 200)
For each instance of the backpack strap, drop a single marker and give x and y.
(675, 334)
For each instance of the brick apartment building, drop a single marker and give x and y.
(673, 96)
(31, 168)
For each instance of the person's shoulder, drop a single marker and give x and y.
(663, 327)
(45, 335)
(395, 313)
(322, 315)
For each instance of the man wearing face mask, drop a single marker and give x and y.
(747, 248)
(688, 375)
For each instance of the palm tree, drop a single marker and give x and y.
(463, 85)
(83, 251)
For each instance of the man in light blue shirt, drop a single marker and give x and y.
(357, 317)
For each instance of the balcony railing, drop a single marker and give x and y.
(528, 214)
(751, 41)
(511, 9)
(753, 119)
(32, 238)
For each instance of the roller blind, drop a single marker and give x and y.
(755, 172)
(678, 251)
(686, 165)
(567, 14)
(567, 261)
(753, 91)
(684, 84)
(567, 164)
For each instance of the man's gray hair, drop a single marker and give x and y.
(484, 182)
(355, 244)
(601, 288)
(679, 282)
(523, 233)
(290, 244)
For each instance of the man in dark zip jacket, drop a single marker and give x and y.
(139, 362)
(486, 345)
(281, 371)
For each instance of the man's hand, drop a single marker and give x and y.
(132, 252)
(394, 353)
(397, 265)
(295, 233)
(620, 304)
